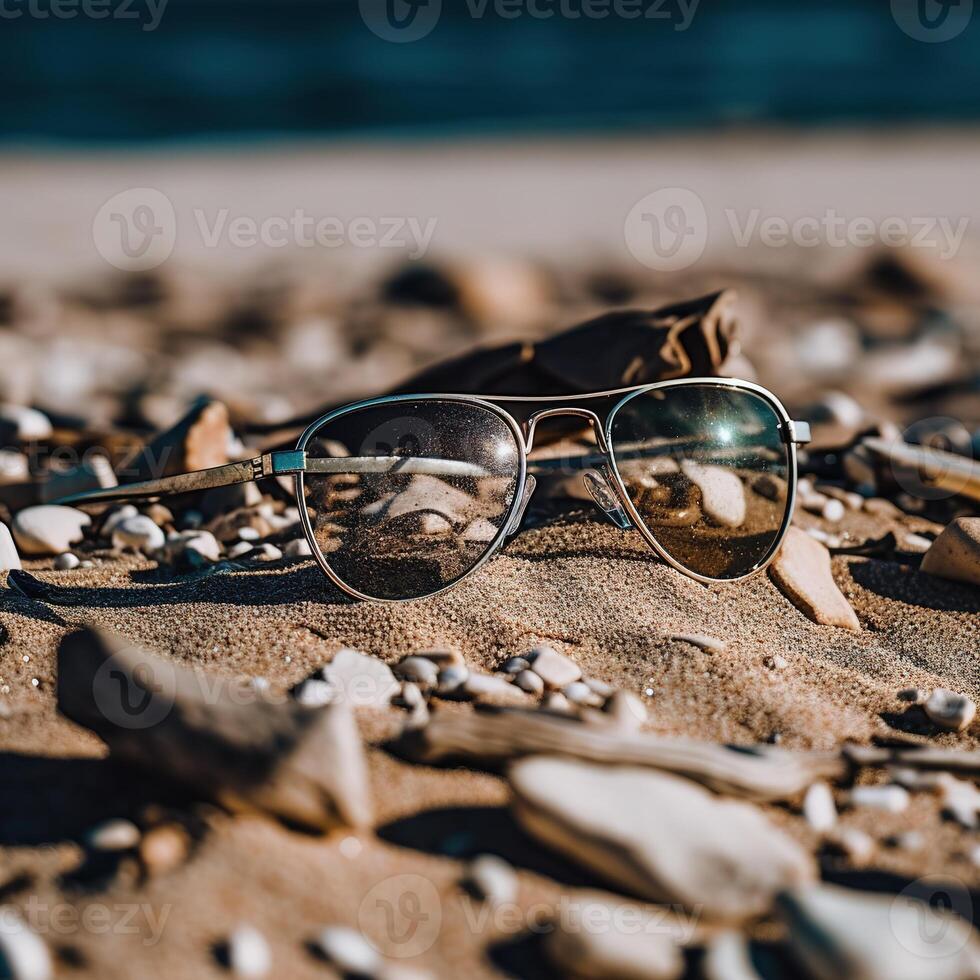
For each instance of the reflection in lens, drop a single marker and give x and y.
(707, 470)
(405, 498)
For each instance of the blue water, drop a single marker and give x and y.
(231, 69)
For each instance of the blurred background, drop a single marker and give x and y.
(290, 204)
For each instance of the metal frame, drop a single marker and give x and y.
(296, 463)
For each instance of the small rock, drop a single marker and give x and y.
(249, 955)
(480, 530)
(138, 532)
(14, 467)
(580, 693)
(960, 800)
(833, 511)
(419, 670)
(854, 844)
(452, 678)
(9, 559)
(66, 562)
(249, 533)
(777, 662)
(955, 554)
(487, 687)
(492, 879)
(889, 799)
(707, 643)
(164, 848)
(267, 552)
(600, 687)
(626, 709)
(819, 809)
(802, 572)
(360, 680)
(297, 548)
(114, 835)
(349, 951)
(115, 518)
(950, 711)
(514, 665)
(557, 702)
(240, 549)
(909, 840)
(442, 657)
(49, 529)
(722, 492)
(593, 948)
(554, 668)
(913, 695)
(25, 424)
(529, 681)
(203, 543)
(23, 953)
(315, 693)
(916, 544)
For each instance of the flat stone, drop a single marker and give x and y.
(8, 550)
(661, 837)
(722, 492)
(441, 657)
(419, 670)
(841, 932)
(889, 799)
(491, 687)
(492, 879)
(554, 668)
(626, 710)
(529, 681)
(803, 574)
(819, 809)
(138, 532)
(297, 548)
(709, 644)
(361, 680)
(249, 956)
(955, 554)
(49, 529)
(514, 665)
(23, 953)
(609, 940)
(949, 710)
(578, 692)
(94, 474)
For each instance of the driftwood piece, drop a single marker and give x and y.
(497, 737)
(238, 745)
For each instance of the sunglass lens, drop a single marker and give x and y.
(707, 470)
(406, 497)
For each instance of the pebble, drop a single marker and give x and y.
(28, 424)
(441, 657)
(451, 678)
(955, 554)
(913, 695)
(579, 692)
(819, 809)
(315, 693)
(514, 665)
(833, 511)
(722, 492)
(492, 879)
(114, 835)
(361, 680)
(205, 544)
(777, 662)
(49, 529)
(249, 955)
(297, 548)
(349, 951)
(909, 840)
(66, 562)
(888, 799)
(916, 544)
(24, 954)
(116, 517)
(481, 686)
(803, 573)
(9, 559)
(556, 701)
(529, 681)
(249, 533)
(950, 711)
(626, 709)
(853, 843)
(554, 668)
(164, 848)
(728, 957)
(138, 532)
(14, 467)
(709, 644)
(240, 549)
(267, 552)
(419, 670)
(602, 688)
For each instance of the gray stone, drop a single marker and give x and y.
(949, 710)
(138, 532)
(419, 670)
(554, 668)
(360, 680)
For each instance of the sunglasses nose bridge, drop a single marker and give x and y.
(547, 413)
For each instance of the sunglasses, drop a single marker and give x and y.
(403, 497)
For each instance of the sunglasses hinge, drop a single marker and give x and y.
(795, 432)
(279, 463)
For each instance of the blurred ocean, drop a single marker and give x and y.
(235, 69)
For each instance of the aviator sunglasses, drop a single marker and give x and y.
(403, 497)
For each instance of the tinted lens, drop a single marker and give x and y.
(405, 498)
(707, 470)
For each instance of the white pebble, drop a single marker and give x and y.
(451, 678)
(314, 693)
(349, 951)
(239, 549)
(116, 518)
(493, 879)
(9, 558)
(249, 533)
(49, 529)
(833, 510)
(528, 681)
(205, 544)
(297, 548)
(949, 710)
(578, 692)
(419, 670)
(818, 807)
(889, 799)
(25, 953)
(248, 953)
(138, 532)
(30, 423)
(114, 835)
(66, 562)
(267, 551)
